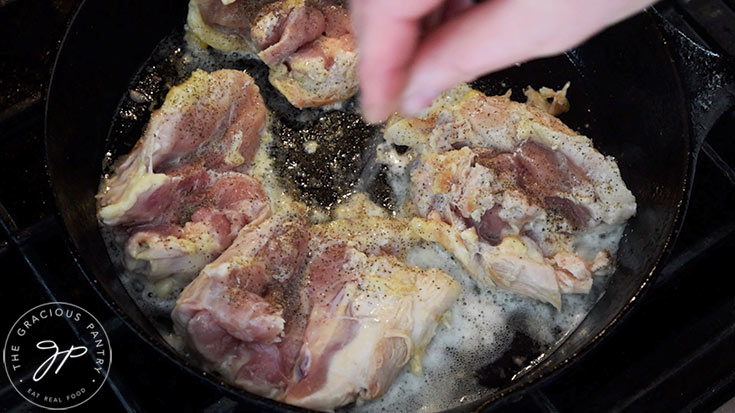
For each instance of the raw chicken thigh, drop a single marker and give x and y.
(371, 316)
(308, 45)
(182, 245)
(181, 195)
(247, 311)
(315, 316)
(522, 201)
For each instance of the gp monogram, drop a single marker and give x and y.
(57, 355)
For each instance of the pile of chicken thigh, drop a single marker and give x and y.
(320, 315)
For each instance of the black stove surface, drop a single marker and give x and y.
(673, 352)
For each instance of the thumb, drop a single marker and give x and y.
(499, 33)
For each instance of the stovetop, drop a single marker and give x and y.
(674, 352)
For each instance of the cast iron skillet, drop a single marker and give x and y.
(628, 94)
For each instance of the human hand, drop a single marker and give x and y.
(410, 51)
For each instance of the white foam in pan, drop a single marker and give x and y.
(483, 324)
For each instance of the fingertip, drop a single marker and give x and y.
(420, 91)
(370, 114)
(374, 114)
(372, 101)
(412, 104)
(380, 87)
(386, 40)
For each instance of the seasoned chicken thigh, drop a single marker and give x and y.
(180, 195)
(308, 45)
(523, 202)
(182, 245)
(246, 313)
(317, 317)
(371, 316)
(212, 120)
(317, 71)
(371, 235)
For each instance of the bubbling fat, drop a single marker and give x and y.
(482, 324)
(155, 306)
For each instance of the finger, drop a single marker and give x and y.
(454, 7)
(387, 33)
(496, 34)
(443, 12)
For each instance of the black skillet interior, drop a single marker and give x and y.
(625, 94)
